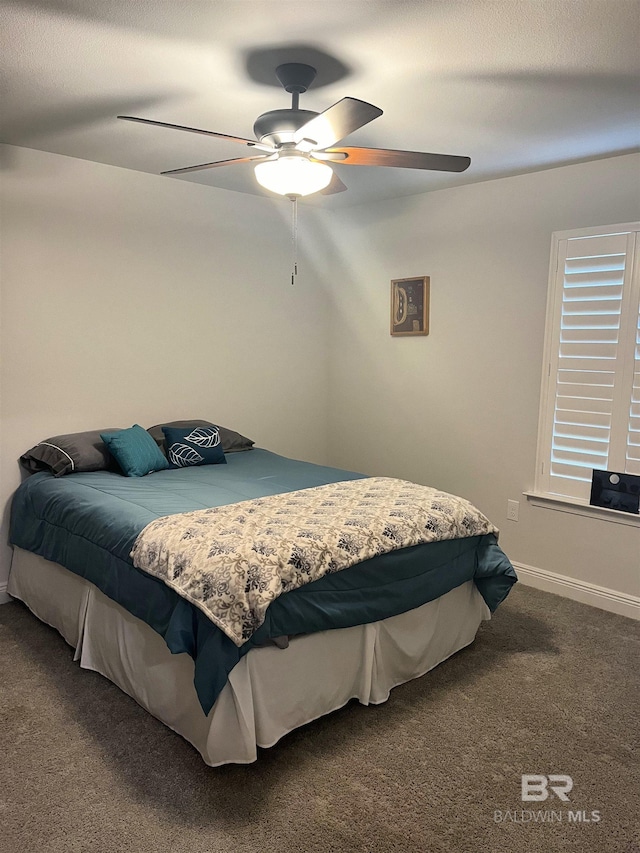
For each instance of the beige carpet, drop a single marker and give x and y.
(549, 687)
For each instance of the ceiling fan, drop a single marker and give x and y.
(297, 145)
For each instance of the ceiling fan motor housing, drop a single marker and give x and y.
(278, 126)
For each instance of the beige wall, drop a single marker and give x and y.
(459, 409)
(128, 297)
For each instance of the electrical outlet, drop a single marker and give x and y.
(513, 507)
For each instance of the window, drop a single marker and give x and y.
(590, 403)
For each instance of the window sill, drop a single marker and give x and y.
(576, 507)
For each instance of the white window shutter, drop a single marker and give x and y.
(591, 404)
(633, 436)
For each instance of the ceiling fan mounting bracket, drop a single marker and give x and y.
(295, 77)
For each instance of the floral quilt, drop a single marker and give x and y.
(232, 561)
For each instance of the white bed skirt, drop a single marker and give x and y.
(271, 691)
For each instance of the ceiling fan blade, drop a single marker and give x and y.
(214, 165)
(402, 159)
(335, 123)
(226, 136)
(335, 186)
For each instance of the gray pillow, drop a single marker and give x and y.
(232, 441)
(69, 454)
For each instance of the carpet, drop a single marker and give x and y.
(549, 687)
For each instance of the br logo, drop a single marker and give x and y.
(535, 787)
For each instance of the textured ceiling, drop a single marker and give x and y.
(517, 85)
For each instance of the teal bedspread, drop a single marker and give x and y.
(88, 523)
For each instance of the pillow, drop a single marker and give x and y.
(200, 445)
(232, 442)
(70, 453)
(135, 451)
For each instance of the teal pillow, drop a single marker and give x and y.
(200, 445)
(135, 451)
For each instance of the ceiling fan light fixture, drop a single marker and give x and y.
(293, 174)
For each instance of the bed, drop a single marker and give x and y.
(353, 633)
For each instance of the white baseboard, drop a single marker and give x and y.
(5, 598)
(577, 590)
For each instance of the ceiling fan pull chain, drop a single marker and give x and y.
(294, 238)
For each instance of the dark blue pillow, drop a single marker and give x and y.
(200, 445)
(135, 451)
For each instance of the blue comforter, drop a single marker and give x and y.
(88, 523)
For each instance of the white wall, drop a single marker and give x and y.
(128, 297)
(458, 409)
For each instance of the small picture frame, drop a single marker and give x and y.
(410, 306)
(612, 490)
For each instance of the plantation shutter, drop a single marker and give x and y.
(593, 388)
(633, 437)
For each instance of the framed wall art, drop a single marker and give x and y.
(410, 306)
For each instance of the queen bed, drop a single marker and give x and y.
(99, 556)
